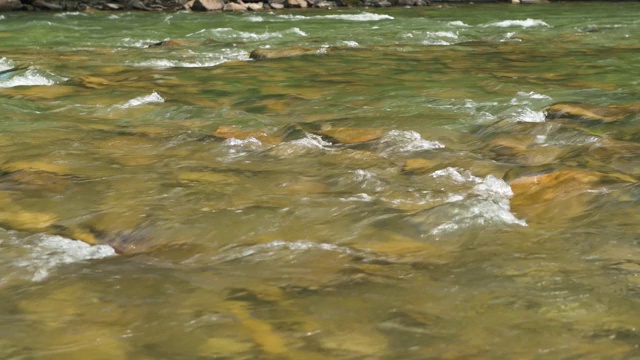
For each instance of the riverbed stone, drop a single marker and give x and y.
(559, 194)
(351, 135)
(35, 165)
(588, 112)
(265, 53)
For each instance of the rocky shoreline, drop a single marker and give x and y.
(218, 5)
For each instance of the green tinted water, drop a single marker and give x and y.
(372, 199)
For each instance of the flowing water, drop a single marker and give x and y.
(396, 187)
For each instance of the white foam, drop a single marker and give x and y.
(138, 43)
(365, 16)
(2, 17)
(458, 23)
(238, 147)
(204, 60)
(255, 18)
(397, 141)
(49, 252)
(73, 13)
(521, 23)
(229, 34)
(528, 115)
(30, 77)
(485, 201)
(533, 95)
(359, 197)
(6, 64)
(273, 249)
(445, 34)
(152, 98)
(350, 43)
(309, 144)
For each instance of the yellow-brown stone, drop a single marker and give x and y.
(588, 112)
(352, 135)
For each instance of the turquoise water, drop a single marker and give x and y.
(398, 188)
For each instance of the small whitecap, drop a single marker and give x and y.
(458, 23)
(528, 115)
(2, 17)
(31, 77)
(446, 34)
(349, 43)
(229, 34)
(492, 186)
(154, 97)
(6, 64)
(201, 60)
(278, 248)
(397, 141)
(365, 16)
(359, 197)
(113, 17)
(510, 36)
(533, 95)
(49, 252)
(309, 144)
(455, 174)
(436, 42)
(477, 213)
(72, 13)
(521, 23)
(138, 43)
(254, 18)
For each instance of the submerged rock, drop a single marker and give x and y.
(560, 194)
(588, 112)
(232, 132)
(263, 53)
(351, 135)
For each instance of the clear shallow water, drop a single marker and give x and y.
(366, 201)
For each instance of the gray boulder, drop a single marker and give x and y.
(8, 5)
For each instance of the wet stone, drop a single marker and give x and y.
(264, 53)
(351, 135)
(587, 112)
(558, 194)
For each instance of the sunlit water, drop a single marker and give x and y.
(366, 200)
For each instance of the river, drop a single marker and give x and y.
(456, 182)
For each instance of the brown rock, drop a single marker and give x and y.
(559, 194)
(207, 5)
(262, 53)
(235, 7)
(255, 6)
(587, 112)
(352, 135)
(276, 6)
